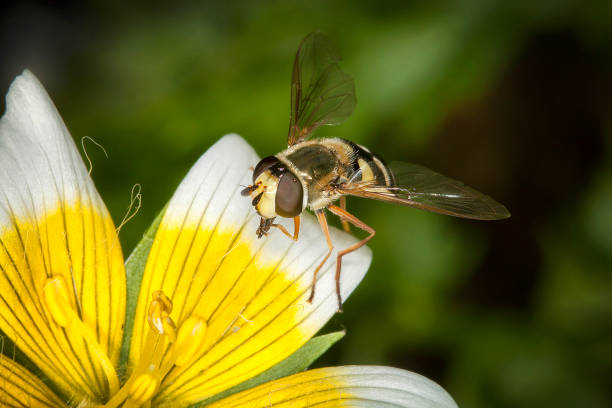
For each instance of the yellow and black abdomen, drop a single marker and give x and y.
(366, 166)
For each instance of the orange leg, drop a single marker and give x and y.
(323, 222)
(296, 228)
(345, 225)
(344, 215)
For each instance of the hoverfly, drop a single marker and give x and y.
(314, 173)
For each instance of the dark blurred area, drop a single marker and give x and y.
(513, 98)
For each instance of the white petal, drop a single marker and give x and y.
(252, 292)
(37, 152)
(350, 386)
(53, 224)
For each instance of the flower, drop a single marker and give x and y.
(213, 307)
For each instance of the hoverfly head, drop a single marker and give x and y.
(275, 191)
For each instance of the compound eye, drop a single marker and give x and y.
(289, 196)
(263, 165)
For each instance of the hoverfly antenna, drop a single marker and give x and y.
(246, 191)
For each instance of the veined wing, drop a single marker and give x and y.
(321, 93)
(419, 187)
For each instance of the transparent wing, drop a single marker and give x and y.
(321, 93)
(419, 187)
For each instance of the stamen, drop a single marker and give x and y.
(57, 302)
(144, 381)
(159, 315)
(186, 344)
(148, 365)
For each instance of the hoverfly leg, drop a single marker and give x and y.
(323, 222)
(343, 214)
(296, 228)
(345, 225)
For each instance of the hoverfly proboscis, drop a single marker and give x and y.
(315, 173)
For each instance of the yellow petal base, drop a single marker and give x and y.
(20, 388)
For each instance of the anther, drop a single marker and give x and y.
(159, 315)
(190, 339)
(57, 302)
(166, 303)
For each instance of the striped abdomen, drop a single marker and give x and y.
(367, 166)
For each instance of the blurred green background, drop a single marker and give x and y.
(514, 98)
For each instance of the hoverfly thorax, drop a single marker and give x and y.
(276, 190)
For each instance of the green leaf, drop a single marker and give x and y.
(298, 361)
(134, 269)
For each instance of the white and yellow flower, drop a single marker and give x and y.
(215, 310)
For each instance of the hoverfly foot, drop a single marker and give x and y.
(264, 226)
